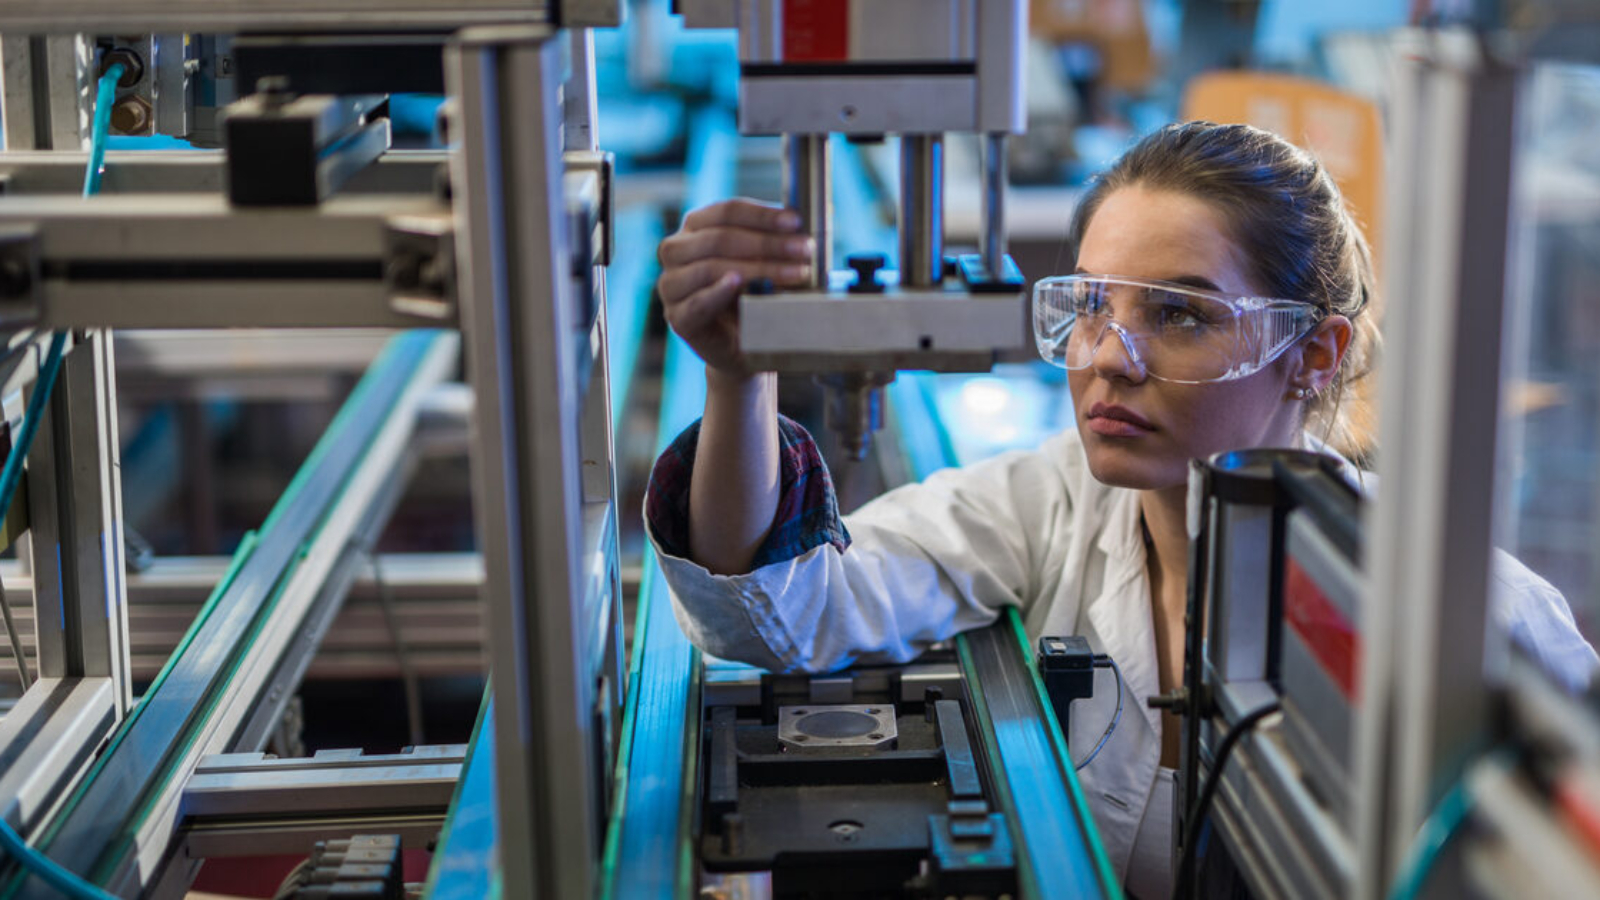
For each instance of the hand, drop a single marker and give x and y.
(704, 267)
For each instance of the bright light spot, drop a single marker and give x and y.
(986, 396)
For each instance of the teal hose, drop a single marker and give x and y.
(44, 867)
(11, 475)
(101, 127)
(1431, 840)
(12, 843)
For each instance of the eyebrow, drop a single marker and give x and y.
(1195, 281)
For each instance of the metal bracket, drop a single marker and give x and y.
(20, 273)
(420, 266)
(288, 151)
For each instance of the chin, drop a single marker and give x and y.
(1119, 468)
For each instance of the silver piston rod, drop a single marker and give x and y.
(921, 210)
(995, 176)
(808, 190)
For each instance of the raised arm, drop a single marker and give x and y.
(734, 487)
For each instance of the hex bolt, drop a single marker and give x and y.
(131, 114)
(132, 65)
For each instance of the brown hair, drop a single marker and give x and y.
(1288, 217)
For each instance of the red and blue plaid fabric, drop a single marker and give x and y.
(808, 509)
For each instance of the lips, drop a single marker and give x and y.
(1117, 421)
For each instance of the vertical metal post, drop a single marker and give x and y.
(579, 105)
(996, 174)
(604, 616)
(921, 209)
(172, 88)
(16, 92)
(1433, 520)
(75, 506)
(519, 319)
(47, 91)
(808, 190)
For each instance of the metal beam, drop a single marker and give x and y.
(156, 16)
(530, 345)
(413, 172)
(192, 261)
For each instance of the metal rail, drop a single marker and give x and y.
(120, 815)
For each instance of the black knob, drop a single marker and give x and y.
(866, 266)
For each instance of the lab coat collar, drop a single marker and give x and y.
(1121, 614)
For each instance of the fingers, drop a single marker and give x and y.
(679, 282)
(743, 214)
(733, 243)
(700, 310)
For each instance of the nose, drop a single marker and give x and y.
(1118, 357)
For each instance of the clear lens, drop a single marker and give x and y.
(1175, 333)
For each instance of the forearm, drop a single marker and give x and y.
(734, 491)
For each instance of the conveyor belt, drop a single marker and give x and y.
(648, 847)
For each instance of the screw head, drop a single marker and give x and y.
(131, 114)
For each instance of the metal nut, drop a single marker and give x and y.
(132, 65)
(132, 114)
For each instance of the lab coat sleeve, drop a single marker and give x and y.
(1539, 621)
(922, 563)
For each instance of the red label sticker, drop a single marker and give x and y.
(816, 30)
(1324, 629)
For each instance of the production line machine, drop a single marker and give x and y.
(307, 219)
(662, 773)
(493, 250)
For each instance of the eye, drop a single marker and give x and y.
(1174, 311)
(1089, 299)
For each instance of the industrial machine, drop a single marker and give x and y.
(866, 69)
(742, 783)
(1352, 705)
(581, 779)
(1275, 585)
(306, 219)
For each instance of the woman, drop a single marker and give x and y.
(1172, 354)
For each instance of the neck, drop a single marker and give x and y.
(1164, 513)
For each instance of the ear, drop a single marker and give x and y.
(1321, 352)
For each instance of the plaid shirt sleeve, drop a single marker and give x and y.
(808, 509)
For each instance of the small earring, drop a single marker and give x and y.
(1301, 393)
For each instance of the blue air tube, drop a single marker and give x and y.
(11, 842)
(102, 125)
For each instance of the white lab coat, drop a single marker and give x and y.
(1033, 529)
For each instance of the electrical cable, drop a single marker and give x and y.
(12, 843)
(408, 675)
(1197, 814)
(1442, 824)
(1102, 660)
(294, 881)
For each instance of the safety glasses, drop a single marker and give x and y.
(1172, 331)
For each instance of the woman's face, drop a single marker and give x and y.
(1140, 432)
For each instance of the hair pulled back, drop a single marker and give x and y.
(1287, 216)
